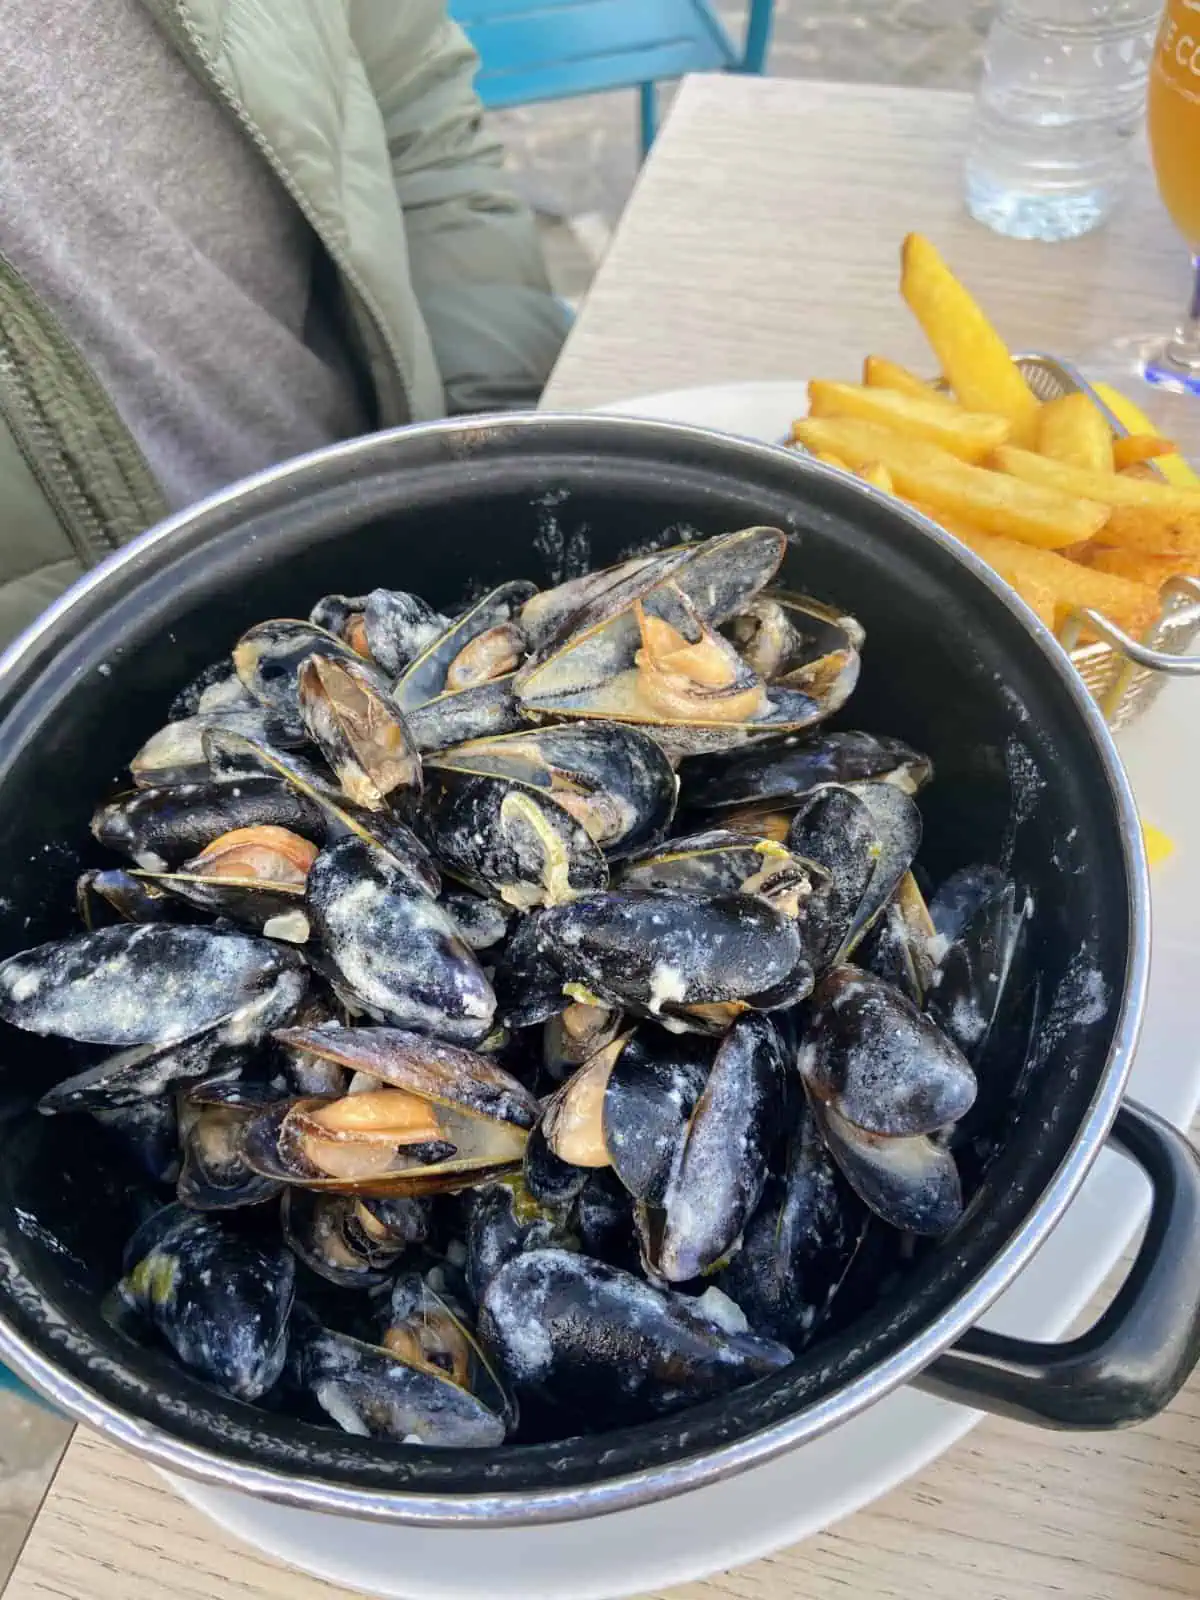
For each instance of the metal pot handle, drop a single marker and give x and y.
(1135, 1359)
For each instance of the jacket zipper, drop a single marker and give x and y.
(41, 447)
(192, 42)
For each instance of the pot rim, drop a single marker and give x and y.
(534, 1507)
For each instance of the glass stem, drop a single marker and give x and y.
(1184, 349)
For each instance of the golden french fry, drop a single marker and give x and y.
(972, 354)
(1138, 447)
(880, 373)
(1130, 605)
(877, 474)
(1143, 470)
(967, 434)
(831, 460)
(1143, 515)
(1142, 566)
(922, 471)
(1071, 429)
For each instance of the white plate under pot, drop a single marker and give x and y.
(769, 1507)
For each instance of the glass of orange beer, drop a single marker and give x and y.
(1175, 147)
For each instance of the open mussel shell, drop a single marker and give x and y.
(102, 892)
(550, 612)
(721, 1166)
(325, 1232)
(214, 1174)
(426, 1382)
(512, 840)
(575, 1034)
(135, 985)
(428, 674)
(503, 1219)
(388, 626)
(866, 836)
(338, 817)
(393, 947)
(268, 658)
(175, 754)
(800, 1242)
(361, 732)
(457, 716)
(221, 1298)
(613, 780)
(439, 1118)
(903, 945)
(573, 1119)
(871, 1055)
(253, 876)
(979, 927)
(588, 1346)
(792, 638)
(778, 773)
(720, 862)
(911, 1184)
(659, 954)
(161, 828)
(644, 652)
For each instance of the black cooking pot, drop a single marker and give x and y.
(1026, 774)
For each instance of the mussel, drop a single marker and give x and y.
(432, 1118)
(598, 1348)
(220, 1298)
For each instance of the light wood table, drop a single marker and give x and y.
(761, 243)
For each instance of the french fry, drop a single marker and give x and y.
(923, 472)
(831, 460)
(1070, 429)
(1140, 565)
(1068, 585)
(966, 434)
(1143, 470)
(972, 354)
(876, 474)
(880, 373)
(1135, 448)
(1143, 516)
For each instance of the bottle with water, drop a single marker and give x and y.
(1062, 99)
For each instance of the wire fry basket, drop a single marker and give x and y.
(1124, 674)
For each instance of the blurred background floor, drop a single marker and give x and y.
(576, 161)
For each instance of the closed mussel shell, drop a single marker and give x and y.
(870, 1054)
(393, 947)
(502, 1219)
(659, 952)
(589, 1346)
(99, 894)
(799, 1244)
(454, 717)
(650, 1095)
(220, 1297)
(977, 913)
(784, 769)
(397, 627)
(721, 1167)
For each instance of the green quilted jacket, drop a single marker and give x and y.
(366, 111)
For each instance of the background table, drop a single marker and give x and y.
(762, 243)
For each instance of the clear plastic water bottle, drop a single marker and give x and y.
(1062, 99)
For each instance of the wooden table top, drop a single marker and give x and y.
(762, 243)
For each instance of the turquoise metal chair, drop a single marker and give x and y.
(549, 49)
